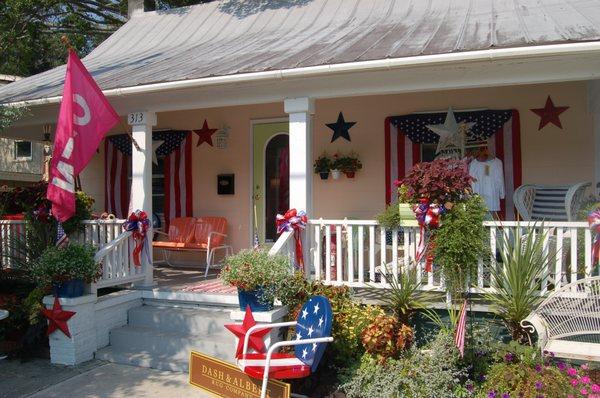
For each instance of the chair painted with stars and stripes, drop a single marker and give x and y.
(313, 331)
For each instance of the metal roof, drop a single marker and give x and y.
(234, 36)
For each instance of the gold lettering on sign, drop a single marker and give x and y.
(226, 380)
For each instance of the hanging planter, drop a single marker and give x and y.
(322, 166)
(336, 174)
(348, 164)
(350, 174)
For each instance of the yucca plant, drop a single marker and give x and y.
(517, 280)
(405, 297)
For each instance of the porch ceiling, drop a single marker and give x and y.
(230, 37)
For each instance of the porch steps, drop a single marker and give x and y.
(161, 337)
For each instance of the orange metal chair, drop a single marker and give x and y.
(203, 234)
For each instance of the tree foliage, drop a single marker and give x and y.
(30, 30)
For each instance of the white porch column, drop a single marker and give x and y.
(300, 111)
(141, 171)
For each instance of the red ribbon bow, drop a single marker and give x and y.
(293, 220)
(138, 223)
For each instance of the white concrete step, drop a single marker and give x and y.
(206, 321)
(159, 342)
(142, 359)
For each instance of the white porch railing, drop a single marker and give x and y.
(361, 253)
(115, 249)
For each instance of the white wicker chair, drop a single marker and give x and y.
(571, 312)
(550, 203)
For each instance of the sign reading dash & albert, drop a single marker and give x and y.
(226, 380)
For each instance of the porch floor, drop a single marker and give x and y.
(189, 279)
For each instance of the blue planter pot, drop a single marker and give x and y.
(68, 289)
(250, 298)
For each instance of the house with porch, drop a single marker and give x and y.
(226, 105)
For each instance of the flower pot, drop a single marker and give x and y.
(68, 289)
(250, 298)
(336, 174)
(324, 175)
(407, 215)
(350, 174)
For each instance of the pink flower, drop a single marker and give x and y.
(585, 380)
(595, 388)
(570, 396)
(572, 372)
(585, 366)
(584, 391)
(574, 382)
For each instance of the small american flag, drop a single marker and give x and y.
(61, 237)
(461, 329)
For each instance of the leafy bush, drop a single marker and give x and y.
(518, 379)
(75, 261)
(251, 269)
(440, 181)
(389, 218)
(434, 372)
(460, 243)
(386, 338)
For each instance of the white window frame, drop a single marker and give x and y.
(22, 158)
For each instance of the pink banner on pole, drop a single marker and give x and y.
(84, 118)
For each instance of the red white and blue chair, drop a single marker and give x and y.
(313, 331)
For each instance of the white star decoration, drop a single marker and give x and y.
(304, 313)
(450, 132)
(321, 320)
(298, 336)
(316, 308)
(310, 331)
(155, 146)
(314, 347)
(304, 353)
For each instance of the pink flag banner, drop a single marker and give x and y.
(84, 118)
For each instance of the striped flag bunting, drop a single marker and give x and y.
(498, 129)
(461, 329)
(62, 239)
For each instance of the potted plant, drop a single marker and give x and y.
(257, 276)
(349, 164)
(336, 172)
(322, 166)
(67, 269)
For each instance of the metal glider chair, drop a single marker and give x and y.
(313, 330)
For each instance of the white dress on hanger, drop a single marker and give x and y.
(489, 181)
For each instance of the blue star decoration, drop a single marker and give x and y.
(314, 321)
(341, 128)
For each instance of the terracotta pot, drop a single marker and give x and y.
(350, 174)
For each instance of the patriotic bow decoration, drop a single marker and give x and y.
(293, 220)
(428, 216)
(138, 223)
(594, 222)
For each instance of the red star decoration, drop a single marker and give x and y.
(57, 318)
(256, 339)
(205, 134)
(549, 114)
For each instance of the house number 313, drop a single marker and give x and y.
(137, 118)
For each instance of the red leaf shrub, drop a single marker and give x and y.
(441, 181)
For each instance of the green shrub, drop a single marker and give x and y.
(250, 270)
(436, 371)
(390, 217)
(75, 261)
(460, 243)
(522, 380)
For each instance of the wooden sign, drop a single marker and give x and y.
(226, 380)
